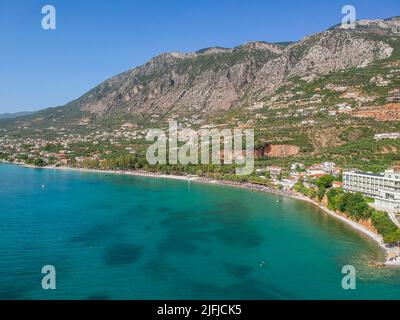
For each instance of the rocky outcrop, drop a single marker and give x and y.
(387, 112)
(281, 150)
(319, 54)
(277, 151)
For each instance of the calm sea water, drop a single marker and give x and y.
(122, 237)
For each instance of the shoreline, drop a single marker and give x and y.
(248, 186)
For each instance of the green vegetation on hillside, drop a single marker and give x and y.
(356, 207)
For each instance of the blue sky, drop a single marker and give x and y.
(95, 40)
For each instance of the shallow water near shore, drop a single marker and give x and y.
(127, 237)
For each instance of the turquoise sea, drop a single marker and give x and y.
(123, 237)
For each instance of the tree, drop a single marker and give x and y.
(321, 193)
(312, 193)
(39, 162)
(385, 226)
(335, 198)
(325, 181)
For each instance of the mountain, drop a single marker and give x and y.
(215, 79)
(221, 79)
(14, 115)
(209, 80)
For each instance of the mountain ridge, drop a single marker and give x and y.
(218, 78)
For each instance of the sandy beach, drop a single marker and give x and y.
(248, 186)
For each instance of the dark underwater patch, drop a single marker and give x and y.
(141, 208)
(246, 237)
(238, 271)
(122, 253)
(175, 245)
(160, 269)
(94, 235)
(184, 235)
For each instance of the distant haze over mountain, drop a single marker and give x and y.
(14, 115)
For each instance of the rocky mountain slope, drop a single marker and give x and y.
(220, 79)
(211, 79)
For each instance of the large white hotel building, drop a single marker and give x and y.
(384, 188)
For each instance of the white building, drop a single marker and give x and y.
(384, 188)
(343, 108)
(274, 170)
(328, 167)
(392, 135)
(296, 165)
(287, 184)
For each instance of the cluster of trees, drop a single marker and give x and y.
(356, 206)
(37, 161)
(321, 184)
(138, 162)
(308, 192)
(124, 161)
(351, 203)
(324, 183)
(121, 162)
